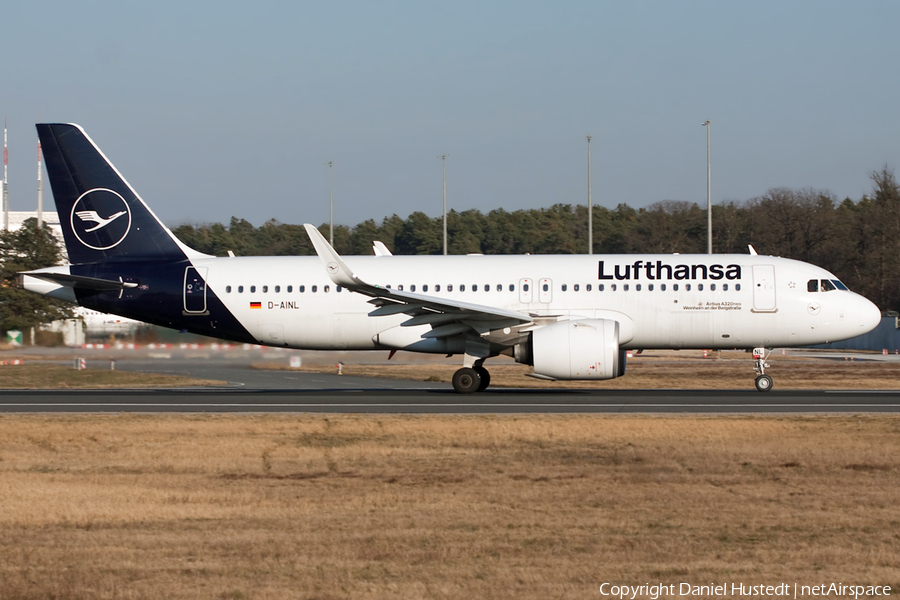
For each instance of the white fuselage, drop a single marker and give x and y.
(679, 301)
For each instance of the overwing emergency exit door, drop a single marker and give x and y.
(545, 290)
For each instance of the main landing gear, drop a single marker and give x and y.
(471, 379)
(763, 381)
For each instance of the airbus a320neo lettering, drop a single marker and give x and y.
(571, 317)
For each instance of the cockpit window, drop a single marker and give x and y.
(827, 286)
(839, 285)
(812, 285)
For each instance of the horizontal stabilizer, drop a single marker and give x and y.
(82, 283)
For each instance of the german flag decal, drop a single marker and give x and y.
(256, 305)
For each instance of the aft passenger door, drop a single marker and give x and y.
(195, 291)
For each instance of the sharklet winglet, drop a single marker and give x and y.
(335, 266)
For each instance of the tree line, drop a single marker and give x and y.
(859, 241)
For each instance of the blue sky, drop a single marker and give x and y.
(214, 109)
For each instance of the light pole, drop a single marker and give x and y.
(443, 158)
(708, 192)
(330, 205)
(590, 204)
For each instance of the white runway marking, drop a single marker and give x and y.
(432, 405)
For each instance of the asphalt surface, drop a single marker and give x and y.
(443, 401)
(255, 391)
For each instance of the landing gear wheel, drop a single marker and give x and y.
(466, 381)
(485, 377)
(763, 383)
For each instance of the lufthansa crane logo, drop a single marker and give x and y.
(100, 219)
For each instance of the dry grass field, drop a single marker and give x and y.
(53, 376)
(333, 507)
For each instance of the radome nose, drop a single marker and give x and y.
(869, 316)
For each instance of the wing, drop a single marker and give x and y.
(445, 316)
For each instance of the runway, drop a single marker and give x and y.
(248, 390)
(445, 401)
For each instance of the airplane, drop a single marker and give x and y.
(570, 316)
(101, 324)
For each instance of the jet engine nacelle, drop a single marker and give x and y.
(585, 349)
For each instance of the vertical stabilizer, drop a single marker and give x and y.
(102, 217)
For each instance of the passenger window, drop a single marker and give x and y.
(240, 289)
(314, 289)
(625, 287)
(425, 287)
(575, 288)
(462, 287)
(564, 286)
(487, 287)
(449, 287)
(724, 287)
(265, 289)
(500, 287)
(637, 287)
(400, 287)
(338, 289)
(277, 288)
(687, 287)
(290, 289)
(437, 287)
(546, 287)
(475, 287)
(662, 287)
(525, 287)
(650, 287)
(699, 287)
(599, 287)
(412, 287)
(512, 287)
(737, 287)
(252, 289)
(227, 289)
(302, 288)
(812, 285)
(827, 286)
(327, 289)
(612, 287)
(587, 288)
(712, 287)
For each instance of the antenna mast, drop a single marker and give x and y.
(40, 190)
(5, 181)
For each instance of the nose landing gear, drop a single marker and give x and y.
(763, 381)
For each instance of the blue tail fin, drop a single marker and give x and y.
(102, 217)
